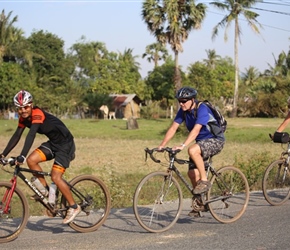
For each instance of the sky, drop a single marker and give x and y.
(118, 24)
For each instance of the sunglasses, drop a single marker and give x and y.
(24, 107)
(183, 101)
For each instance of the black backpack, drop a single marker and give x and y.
(221, 121)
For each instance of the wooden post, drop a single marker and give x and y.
(132, 123)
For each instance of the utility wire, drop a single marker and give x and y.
(274, 11)
(265, 25)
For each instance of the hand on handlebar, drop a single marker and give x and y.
(20, 159)
(271, 136)
(180, 147)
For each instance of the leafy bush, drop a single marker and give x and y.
(254, 168)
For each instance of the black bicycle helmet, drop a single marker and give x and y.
(186, 93)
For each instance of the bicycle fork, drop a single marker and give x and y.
(7, 198)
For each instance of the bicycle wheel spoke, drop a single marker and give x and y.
(157, 202)
(14, 219)
(95, 204)
(276, 183)
(230, 192)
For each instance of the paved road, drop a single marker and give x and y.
(262, 227)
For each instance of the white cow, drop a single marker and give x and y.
(107, 113)
(11, 115)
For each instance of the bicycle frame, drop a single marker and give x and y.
(158, 198)
(42, 199)
(210, 169)
(287, 160)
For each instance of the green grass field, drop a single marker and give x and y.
(107, 149)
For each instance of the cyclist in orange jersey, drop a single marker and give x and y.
(60, 146)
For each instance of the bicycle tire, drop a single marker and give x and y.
(157, 202)
(276, 187)
(233, 185)
(97, 195)
(13, 223)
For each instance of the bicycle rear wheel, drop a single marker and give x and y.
(15, 219)
(230, 189)
(94, 198)
(157, 202)
(276, 183)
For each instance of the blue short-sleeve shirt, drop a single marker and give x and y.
(203, 117)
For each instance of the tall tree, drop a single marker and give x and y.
(9, 35)
(171, 22)
(281, 67)
(251, 76)
(155, 52)
(212, 58)
(235, 9)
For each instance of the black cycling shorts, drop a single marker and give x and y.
(63, 154)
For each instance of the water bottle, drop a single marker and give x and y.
(39, 185)
(51, 196)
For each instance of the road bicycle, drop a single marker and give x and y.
(276, 179)
(88, 191)
(158, 198)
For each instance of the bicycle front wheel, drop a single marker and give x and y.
(276, 183)
(157, 202)
(94, 198)
(229, 194)
(14, 219)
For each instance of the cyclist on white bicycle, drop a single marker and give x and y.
(60, 146)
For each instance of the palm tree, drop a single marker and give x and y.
(212, 58)
(8, 34)
(282, 65)
(251, 76)
(171, 22)
(155, 52)
(235, 9)
(130, 60)
(13, 45)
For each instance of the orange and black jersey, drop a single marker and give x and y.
(39, 122)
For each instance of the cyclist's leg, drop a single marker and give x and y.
(41, 154)
(208, 148)
(193, 175)
(63, 155)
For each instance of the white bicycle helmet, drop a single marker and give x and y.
(22, 98)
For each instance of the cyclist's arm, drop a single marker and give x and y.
(169, 134)
(13, 141)
(284, 123)
(30, 138)
(193, 134)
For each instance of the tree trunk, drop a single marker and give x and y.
(236, 94)
(177, 78)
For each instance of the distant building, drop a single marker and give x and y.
(126, 105)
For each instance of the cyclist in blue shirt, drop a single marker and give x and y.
(286, 121)
(209, 140)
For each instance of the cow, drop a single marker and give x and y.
(107, 113)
